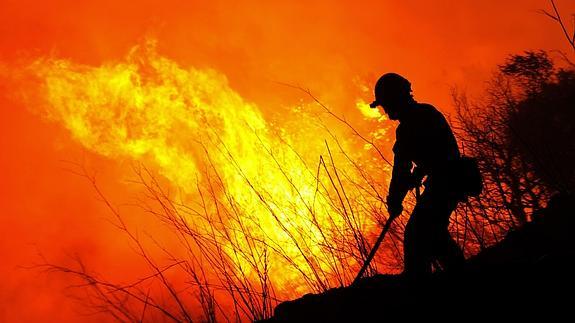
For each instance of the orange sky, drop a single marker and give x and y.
(330, 47)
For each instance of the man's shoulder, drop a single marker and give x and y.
(426, 111)
(426, 108)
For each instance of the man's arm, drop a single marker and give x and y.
(401, 183)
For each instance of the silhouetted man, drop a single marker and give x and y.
(425, 139)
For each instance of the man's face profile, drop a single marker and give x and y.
(390, 107)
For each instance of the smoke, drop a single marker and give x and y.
(244, 50)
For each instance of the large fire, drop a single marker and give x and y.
(261, 189)
(275, 199)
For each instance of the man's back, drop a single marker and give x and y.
(425, 138)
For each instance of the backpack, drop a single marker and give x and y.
(468, 177)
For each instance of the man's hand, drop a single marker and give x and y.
(394, 210)
(394, 207)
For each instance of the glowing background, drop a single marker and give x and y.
(332, 49)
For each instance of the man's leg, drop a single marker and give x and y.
(445, 249)
(417, 262)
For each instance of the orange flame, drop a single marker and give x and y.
(183, 121)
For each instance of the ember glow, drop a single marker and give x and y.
(276, 194)
(203, 102)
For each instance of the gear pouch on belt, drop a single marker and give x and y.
(467, 176)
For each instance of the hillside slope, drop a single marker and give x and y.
(531, 272)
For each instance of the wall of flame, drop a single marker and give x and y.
(106, 83)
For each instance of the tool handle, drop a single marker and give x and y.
(373, 250)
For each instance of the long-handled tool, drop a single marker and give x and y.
(379, 240)
(373, 250)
